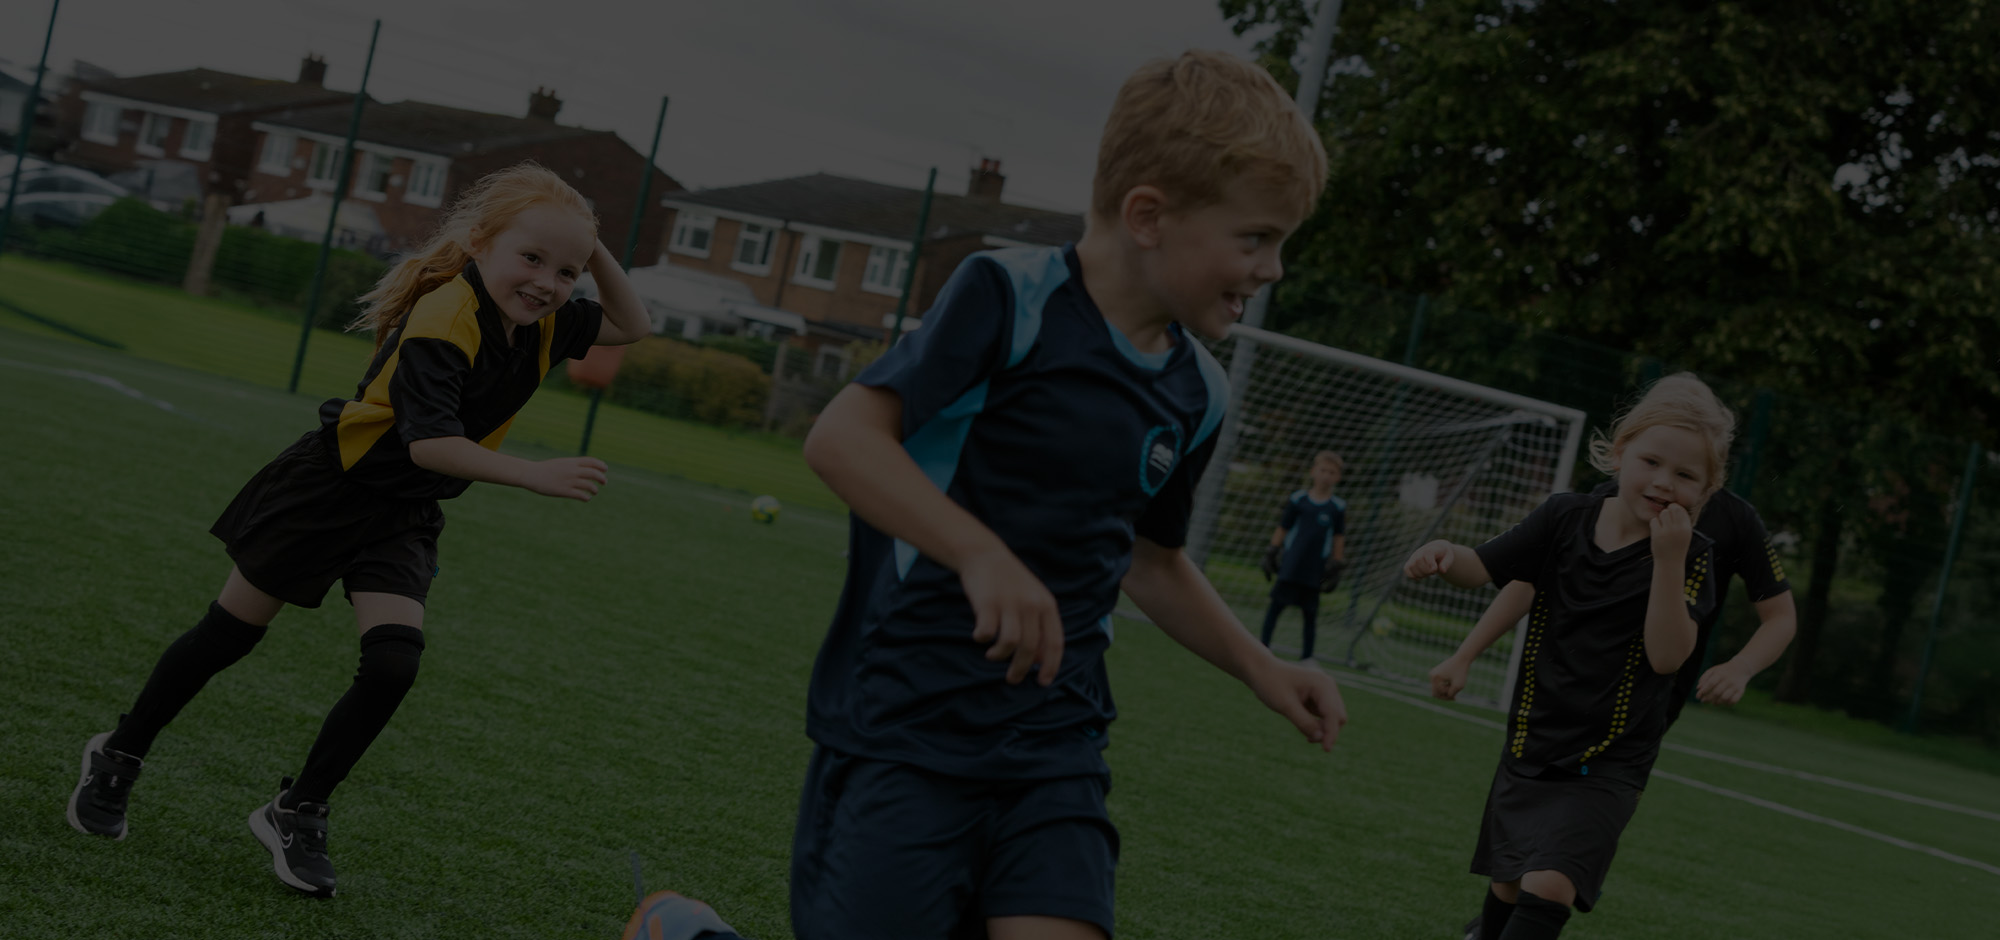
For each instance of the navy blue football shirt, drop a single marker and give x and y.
(1309, 527)
(1029, 409)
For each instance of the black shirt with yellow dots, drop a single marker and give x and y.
(1587, 700)
(449, 370)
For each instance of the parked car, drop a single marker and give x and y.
(64, 209)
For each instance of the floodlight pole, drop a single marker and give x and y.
(333, 215)
(1972, 455)
(916, 251)
(27, 128)
(631, 248)
(1208, 493)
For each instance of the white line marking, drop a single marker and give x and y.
(1369, 684)
(108, 382)
(1834, 782)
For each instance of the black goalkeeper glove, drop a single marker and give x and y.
(1332, 578)
(1270, 565)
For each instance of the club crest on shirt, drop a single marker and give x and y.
(1158, 456)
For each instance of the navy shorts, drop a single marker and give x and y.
(1559, 821)
(890, 851)
(299, 525)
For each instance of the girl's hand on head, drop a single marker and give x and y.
(1433, 558)
(1673, 529)
(577, 478)
(1015, 612)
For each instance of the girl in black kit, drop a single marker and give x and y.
(1620, 583)
(465, 329)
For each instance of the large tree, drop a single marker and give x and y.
(1798, 196)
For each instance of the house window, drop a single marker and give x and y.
(886, 269)
(153, 134)
(197, 139)
(753, 248)
(426, 182)
(276, 157)
(100, 122)
(819, 260)
(692, 234)
(375, 173)
(832, 362)
(325, 164)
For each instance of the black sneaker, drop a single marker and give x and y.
(1472, 928)
(97, 805)
(297, 840)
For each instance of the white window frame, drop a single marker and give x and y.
(744, 238)
(373, 164)
(332, 177)
(188, 135)
(812, 247)
(152, 121)
(275, 157)
(425, 186)
(686, 224)
(886, 269)
(838, 356)
(100, 122)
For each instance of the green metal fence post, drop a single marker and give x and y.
(631, 248)
(1972, 455)
(916, 251)
(27, 128)
(333, 215)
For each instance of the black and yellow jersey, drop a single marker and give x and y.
(448, 371)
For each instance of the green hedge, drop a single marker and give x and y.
(678, 379)
(132, 238)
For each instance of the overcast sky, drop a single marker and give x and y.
(879, 89)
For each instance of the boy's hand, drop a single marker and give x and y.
(1305, 695)
(1433, 558)
(1721, 685)
(1331, 579)
(1270, 564)
(1672, 529)
(1015, 611)
(577, 478)
(1448, 678)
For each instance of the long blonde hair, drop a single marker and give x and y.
(1679, 401)
(484, 210)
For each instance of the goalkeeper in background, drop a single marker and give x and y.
(1308, 549)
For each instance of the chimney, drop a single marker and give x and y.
(986, 181)
(543, 105)
(312, 71)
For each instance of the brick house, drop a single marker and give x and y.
(273, 149)
(197, 118)
(834, 250)
(412, 157)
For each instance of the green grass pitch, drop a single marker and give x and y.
(629, 675)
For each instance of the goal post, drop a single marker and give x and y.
(1426, 456)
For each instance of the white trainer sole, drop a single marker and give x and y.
(93, 744)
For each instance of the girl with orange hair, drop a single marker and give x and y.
(465, 330)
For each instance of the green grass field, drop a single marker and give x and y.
(629, 675)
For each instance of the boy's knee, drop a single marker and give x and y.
(1508, 891)
(1550, 885)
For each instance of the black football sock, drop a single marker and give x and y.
(389, 656)
(1311, 614)
(211, 646)
(1534, 918)
(1493, 916)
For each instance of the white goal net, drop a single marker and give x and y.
(1426, 457)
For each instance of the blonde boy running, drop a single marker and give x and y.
(1011, 467)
